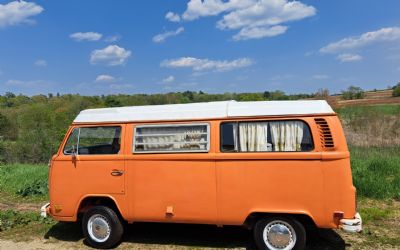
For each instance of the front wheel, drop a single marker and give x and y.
(279, 233)
(102, 227)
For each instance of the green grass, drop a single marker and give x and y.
(387, 109)
(10, 219)
(370, 214)
(24, 181)
(21, 226)
(376, 171)
(380, 225)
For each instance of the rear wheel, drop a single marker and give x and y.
(102, 227)
(279, 233)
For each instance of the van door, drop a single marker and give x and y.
(171, 174)
(268, 166)
(90, 164)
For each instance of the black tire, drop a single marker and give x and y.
(113, 223)
(298, 228)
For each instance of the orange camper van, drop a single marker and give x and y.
(272, 166)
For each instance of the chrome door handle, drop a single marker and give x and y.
(116, 172)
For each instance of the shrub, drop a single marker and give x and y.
(38, 187)
(353, 92)
(396, 90)
(322, 93)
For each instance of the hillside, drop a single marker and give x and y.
(374, 97)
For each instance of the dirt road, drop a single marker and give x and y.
(380, 232)
(164, 236)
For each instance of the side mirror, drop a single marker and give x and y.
(73, 151)
(73, 154)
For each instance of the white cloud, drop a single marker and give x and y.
(259, 32)
(169, 79)
(105, 78)
(207, 64)
(253, 18)
(111, 55)
(112, 39)
(172, 17)
(18, 12)
(40, 63)
(320, 77)
(347, 57)
(266, 13)
(163, 36)
(381, 35)
(86, 36)
(199, 8)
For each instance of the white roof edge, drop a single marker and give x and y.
(204, 110)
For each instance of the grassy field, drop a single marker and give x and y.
(376, 174)
(369, 126)
(24, 182)
(361, 111)
(373, 132)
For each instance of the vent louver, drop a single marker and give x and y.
(325, 132)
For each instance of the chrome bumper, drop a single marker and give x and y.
(351, 225)
(44, 210)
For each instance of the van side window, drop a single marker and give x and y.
(94, 141)
(266, 136)
(72, 143)
(173, 138)
(229, 137)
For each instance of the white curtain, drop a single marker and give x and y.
(253, 136)
(173, 138)
(275, 135)
(287, 135)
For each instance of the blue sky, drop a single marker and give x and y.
(102, 47)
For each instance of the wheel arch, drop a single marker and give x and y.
(89, 201)
(302, 217)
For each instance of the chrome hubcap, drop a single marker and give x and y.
(279, 235)
(99, 228)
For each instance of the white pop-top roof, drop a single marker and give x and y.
(205, 110)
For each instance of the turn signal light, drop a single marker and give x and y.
(337, 216)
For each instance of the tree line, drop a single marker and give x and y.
(32, 127)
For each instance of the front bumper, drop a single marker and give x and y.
(351, 225)
(45, 210)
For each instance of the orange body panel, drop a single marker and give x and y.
(211, 188)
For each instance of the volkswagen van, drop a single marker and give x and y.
(274, 167)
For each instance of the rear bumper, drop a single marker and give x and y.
(45, 210)
(351, 225)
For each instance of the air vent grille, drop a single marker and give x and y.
(325, 132)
